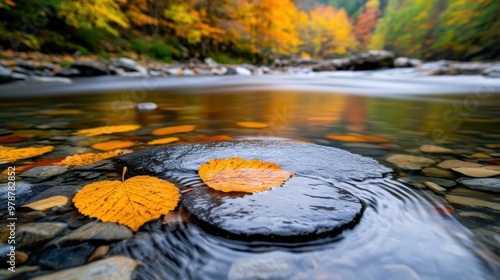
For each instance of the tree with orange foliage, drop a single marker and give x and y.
(366, 23)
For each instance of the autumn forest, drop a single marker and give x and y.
(253, 30)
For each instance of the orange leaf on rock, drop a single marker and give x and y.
(112, 145)
(358, 138)
(89, 158)
(107, 130)
(252, 124)
(173, 129)
(240, 175)
(132, 203)
(10, 155)
(163, 141)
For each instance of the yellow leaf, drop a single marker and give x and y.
(107, 130)
(89, 158)
(9, 155)
(358, 138)
(132, 203)
(173, 129)
(252, 124)
(48, 203)
(163, 141)
(240, 175)
(112, 145)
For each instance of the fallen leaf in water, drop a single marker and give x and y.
(12, 139)
(358, 138)
(89, 158)
(208, 138)
(252, 124)
(10, 155)
(107, 130)
(163, 141)
(43, 162)
(173, 129)
(112, 145)
(61, 112)
(48, 203)
(240, 175)
(132, 203)
(444, 210)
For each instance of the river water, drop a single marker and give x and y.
(407, 231)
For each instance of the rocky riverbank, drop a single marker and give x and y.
(40, 67)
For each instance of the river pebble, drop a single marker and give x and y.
(476, 172)
(96, 231)
(99, 253)
(44, 172)
(432, 149)
(455, 163)
(437, 172)
(410, 162)
(117, 267)
(61, 258)
(435, 187)
(37, 233)
(488, 184)
(473, 202)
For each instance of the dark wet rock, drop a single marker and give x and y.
(22, 189)
(5, 75)
(301, 158)
(33, 216)
(68, 72)
(96, 231)
(488, 184)
(372, 60)
(117, 267)
(102, 166)
(231, 71)
(90, 69)
(327, 65)
(493, 71)
(89, 175)
(65, 257)
(44, 172)
(37, 233)
(302, 209)
(22, 70)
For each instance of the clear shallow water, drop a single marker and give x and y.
(401, 234)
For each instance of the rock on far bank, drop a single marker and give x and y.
(487, 184)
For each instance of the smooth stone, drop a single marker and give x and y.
(455, 163)
(6, 274)
(473, 202)
(410, 162)
(37, 233)
(302, 209)
(96, 231)
(65, 257)
(98, 253)
(476, 172)
(489, 184)
(435, 149)
(475, 194)
(22, 188)
(437, 172)
(117, 267)
(300, 158)
(275, 265)
(44, 172)
(435, 187)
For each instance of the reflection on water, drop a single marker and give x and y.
(400, 236)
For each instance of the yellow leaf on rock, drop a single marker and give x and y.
(48, 203)
(89, 158)
(132, 203)
(107, 130)
(252, 124)
(10, 155)
(240, 175)
(163, 141)
(358, 138)
(173, 129)
(112, 145)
